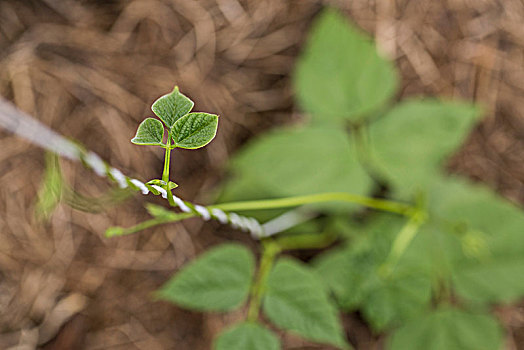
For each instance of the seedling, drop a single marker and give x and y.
(184, 130)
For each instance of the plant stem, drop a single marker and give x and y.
(403, 239)
(269, 252)
(152, 222)
(165, 173)
(375, 203)
(170, 199)
(361, 142)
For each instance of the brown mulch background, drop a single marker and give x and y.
(90, 70)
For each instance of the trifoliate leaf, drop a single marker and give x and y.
(171, 107)
(150, 132)
(194, 130)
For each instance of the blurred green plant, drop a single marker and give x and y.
(425, 260)
(428, 277)
(55, 189)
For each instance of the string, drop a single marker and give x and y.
(37, 133)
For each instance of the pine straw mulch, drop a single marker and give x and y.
(90, 69)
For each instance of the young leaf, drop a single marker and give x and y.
(171, 107)
(194, 130)
(218, 280)
(247, 336)
(150, 132)
(340, 76)
(413, 140)
(301, 161)
(297, 301)
(446, 329)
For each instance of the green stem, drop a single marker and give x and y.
(403, 239)
(375, 203)
(361, 142)
(170, 199)
(269, 253)
(120, 231)
(165, 173)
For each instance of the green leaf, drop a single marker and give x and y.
(150, 132)
(297, 301)
(301, 161)
(171, 107)
(395, 299)
(348, 274)
(355, 275)
(218, 280)
(447, 329)
(194, 130)
(171, 185)
(473, 239)
(247, 336)
(413, 140)
(340, 76)
(385, 301)
(488, 249)
(351, 272)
